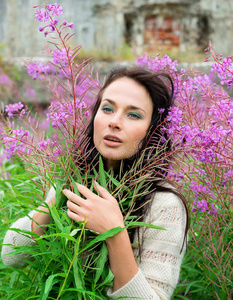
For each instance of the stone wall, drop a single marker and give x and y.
(107, 24)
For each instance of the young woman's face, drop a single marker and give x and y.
(122, 120)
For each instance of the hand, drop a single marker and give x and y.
(100, 212)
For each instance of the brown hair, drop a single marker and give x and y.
(161, 90)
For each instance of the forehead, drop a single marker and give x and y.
(128, 91)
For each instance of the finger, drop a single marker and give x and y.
(75, 216)
(85, 191)
(74, 207)
(73, 197)
(102, 191)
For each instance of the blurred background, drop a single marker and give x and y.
(117, 31)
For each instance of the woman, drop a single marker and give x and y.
(127, 120)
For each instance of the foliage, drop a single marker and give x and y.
(124, 53)
(70, 262)
(201, 125)
(201, 130)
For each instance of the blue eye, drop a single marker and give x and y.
(134, 115)
(107, 108)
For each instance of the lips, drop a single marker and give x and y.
(112, 138)
(112, 141)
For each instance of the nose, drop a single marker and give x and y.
(115, 123)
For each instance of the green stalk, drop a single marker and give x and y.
(75, 254)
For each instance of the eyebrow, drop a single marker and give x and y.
(130, 106)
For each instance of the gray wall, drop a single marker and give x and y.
(101, 23)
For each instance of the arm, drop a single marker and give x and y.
(156, 275)
(17, 239)
(161, 259)
(103, 213)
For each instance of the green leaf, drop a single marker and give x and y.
(100, 263)
(103, 236)
(76, 191)
(113, 180)
(141, 224)
(78, 273)
(108, 279)
(56, 217)
(58, 193)
(49, 284)
(84, 292)
(102, 178)
(61, 234)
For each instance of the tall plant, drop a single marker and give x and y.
(70, 262)
(202, 127)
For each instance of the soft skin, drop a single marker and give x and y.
(125, 113)
(121, 123)
(101, 214)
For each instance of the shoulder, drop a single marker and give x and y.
(167, 206)
(168, 197)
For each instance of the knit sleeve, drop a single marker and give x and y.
(17, 239)
(161, 259)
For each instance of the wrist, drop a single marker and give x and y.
(120, 237)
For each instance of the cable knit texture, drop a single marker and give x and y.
(161, 259)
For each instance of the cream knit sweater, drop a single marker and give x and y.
(160, 260)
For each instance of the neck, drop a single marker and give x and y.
(112, 164)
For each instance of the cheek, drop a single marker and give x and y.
(138, 134)
(97, 129)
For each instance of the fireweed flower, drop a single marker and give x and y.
(228, 176)
(224, 71)
(43, 144)
(16, 143)
(16, 107)
(55, 9)
(71, 25)
(37, 69)
(4, 79)
(156, 64)
(41, 15)
(60, 57)
(203, 206)
(60, 114)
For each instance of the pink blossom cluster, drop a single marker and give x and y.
(15, 107)
(200, 125)
(16, 143)
(37, 70)
(4, 79)
(204, 206)
(43, 145)
(46, 15)
(63, 113)
(61, 57)
(156, 64)
(224, 71)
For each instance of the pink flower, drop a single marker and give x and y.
(31, 93)
(71, 25)
(55, 9)
(16, 143)
(43, 144)
(16, 107)
(41, 15)
(4, 79)
(36, 69)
